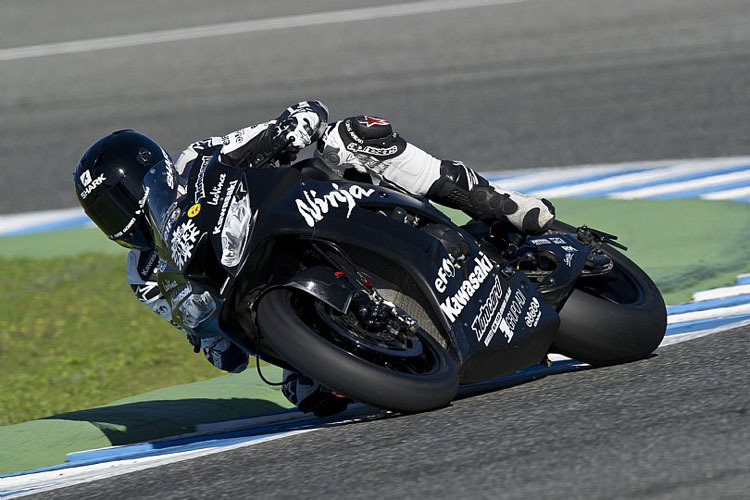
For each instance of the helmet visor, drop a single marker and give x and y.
(114, 213)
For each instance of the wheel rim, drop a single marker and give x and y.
(400, 343)
(411, 354)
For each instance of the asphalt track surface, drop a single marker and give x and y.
(672, 426)
(535, 83)
(540, 82)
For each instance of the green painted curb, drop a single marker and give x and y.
(157, 414)
(684, 245)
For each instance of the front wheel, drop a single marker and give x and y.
(613, 318)
(396, 368)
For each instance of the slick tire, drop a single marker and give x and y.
(315, 355)
(615, 318)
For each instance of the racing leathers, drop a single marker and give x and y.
(361, 145)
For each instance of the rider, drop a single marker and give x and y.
(108, 182)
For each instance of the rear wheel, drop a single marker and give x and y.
(394, 367)
(612, 318)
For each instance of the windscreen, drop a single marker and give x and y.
(162, 204)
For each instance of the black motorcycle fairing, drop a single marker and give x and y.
(513, 325)
(569, 257)
(387, 248)
(321, 282)
(292, 212)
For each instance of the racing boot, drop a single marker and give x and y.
(462, 188)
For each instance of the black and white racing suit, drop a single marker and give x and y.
(369, 146)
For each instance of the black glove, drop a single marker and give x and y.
(310, 396)
(323, 403)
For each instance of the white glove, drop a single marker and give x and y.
(304, 124)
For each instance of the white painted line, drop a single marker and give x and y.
(721, 312)
(545, 175)
(252, 26)
(638, 178)
(15, 222)
(740, 192)
(716, 180)
(721, 293)
(51, 480)
(684, 337)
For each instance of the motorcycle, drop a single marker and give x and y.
(378, 295)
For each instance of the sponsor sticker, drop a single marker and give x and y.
(89, 184)
(471, 176)
(150, 264)
(453, 305)
(313, 208)
(168, 285)
(534, 314)
(86, 178)
(224, 206)
(509, 322)
(215, 192)
(169, 169)
(371, 121)
(569, 248)
(124, 230)
(498, 318)
(446, 271)
(200, 191)
(182, 293)
(540, 241)
(372, 150)
(488, 310)
(194, 210)
(352, 133)
(184, 238)
(568, 259)
(147, 292)
(557, 240)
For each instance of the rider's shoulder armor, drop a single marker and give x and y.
(371, 136)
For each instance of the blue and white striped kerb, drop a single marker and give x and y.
(709, 179)
(718, 308)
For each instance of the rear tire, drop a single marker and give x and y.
(613, 318)
(284, 318)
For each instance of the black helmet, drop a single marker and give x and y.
(109, 185)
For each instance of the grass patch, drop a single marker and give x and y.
(72, 335)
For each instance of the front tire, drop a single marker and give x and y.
(302, 331)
